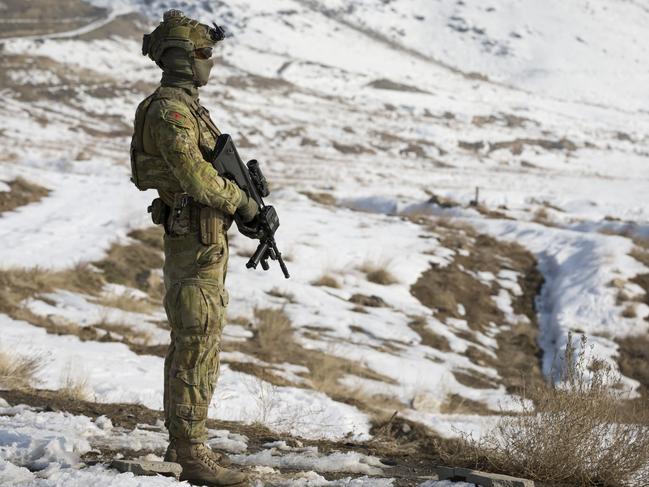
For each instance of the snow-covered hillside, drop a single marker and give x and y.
(375, 122)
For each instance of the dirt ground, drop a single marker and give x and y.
(446, 290)
(37, 17)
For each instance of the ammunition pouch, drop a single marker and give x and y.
(183, 218)
(213, 225)
(188, 216)
(159, 212)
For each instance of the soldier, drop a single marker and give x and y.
(172, 143)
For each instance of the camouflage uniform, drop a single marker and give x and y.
(172, 144)
(196, 255)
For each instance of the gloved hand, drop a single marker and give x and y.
(248, 208)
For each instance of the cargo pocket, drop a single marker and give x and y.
(191, 412)
(215, 309)
(209, 257)
(191, 377)
(187, 309)
(170, 303)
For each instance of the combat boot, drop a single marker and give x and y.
(171, 455)
(200, 467)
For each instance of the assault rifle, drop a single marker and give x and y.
(250, 178)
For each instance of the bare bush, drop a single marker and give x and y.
(579, 432)
(19, 371)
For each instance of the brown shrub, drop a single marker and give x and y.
(18, 371)
(577, 433)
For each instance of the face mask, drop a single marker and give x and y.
(176, 62)
(202, 69)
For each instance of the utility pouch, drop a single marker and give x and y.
(181, 221)
(211, 225)
(159, 211)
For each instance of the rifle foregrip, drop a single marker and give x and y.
(257, 257)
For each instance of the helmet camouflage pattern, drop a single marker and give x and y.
(177, 30)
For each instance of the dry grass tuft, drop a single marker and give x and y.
(629, 311)
(326, 280)
(132, 264)
(17, 285)
(21, 192)
(74, 387)
(428, 336)
(127, 333)
(579, 433)
(276, 292)
(378, 272)
(542, 217)
(126, 303)
(325, 199)
(274, 342)
(633, 359)
(274, 330)
(19, 371)
(456, 404)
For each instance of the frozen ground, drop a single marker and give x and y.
(370, 108)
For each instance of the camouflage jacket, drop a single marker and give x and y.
(172, 143)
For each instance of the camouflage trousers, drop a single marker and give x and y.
(195, 302)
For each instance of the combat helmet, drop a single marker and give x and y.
(178, 30)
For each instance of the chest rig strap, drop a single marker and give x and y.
(202, 113)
